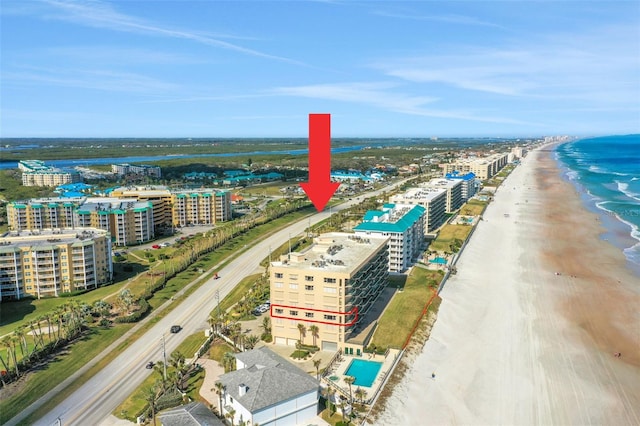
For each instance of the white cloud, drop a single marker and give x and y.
(95, 79)
(95, 13)
(446, 18)
(380, 95)
(556, 66)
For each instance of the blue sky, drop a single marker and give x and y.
(258, 68)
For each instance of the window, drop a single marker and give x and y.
(293, 313)
(308, 287)
(330, 280)
(330, 317)
(279, 275)
(279, 311)
(330, 290)
(308, 314)
(278, 285)
(308, 278)
(293, 286)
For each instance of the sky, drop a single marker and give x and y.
(160, 68)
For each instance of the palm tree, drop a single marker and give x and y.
(266, 325)
(250, 341)
(230, 415)
(219, 388)
(343, 405)
(349, 380)
(159, 368)
(330, 392)
(150, 397)
(315, 333)
(316, 364)
(361, 394)
(302, 329)
(7, 342)
(48, 317)
(228, 362)
(20, 336)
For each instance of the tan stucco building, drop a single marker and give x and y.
(332, 284)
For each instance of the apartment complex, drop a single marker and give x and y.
(204, 207)
(42, 213)
(469, 184)
(332, 284)
(49, 263)
(181, 208)
(128, 221)
(484, 167)
(454, 192)
(434, 201)
(403, 225)
(143, 170)
(37, 173)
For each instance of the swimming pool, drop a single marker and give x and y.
(365, 372)
(439, 260)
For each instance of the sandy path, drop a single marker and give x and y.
(516, 344)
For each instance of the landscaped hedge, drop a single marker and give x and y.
(137, 315)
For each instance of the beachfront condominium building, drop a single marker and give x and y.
(469, 184)
(132, 169)
(54, 262)
(484, 167)
(454, 191)
(403, 224)
(331, 285)
(434, 201)
(129, 222)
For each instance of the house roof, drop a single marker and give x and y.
(269, 378)
(193, 414)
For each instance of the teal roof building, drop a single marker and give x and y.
(404, 225)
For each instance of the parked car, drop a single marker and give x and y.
(175, 328)
(155, 246)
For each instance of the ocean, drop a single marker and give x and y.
(607, 172)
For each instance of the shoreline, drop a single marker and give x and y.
(616, 230)
(515, 343)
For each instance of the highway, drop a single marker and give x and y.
(93, 402)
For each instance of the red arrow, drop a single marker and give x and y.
(320, 189)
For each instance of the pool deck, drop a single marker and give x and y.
(340, 367)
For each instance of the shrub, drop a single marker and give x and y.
(299, 354)
(268, 338)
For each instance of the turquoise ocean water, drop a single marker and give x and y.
(607, 172)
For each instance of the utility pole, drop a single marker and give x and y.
(164, 356)
(218, 299)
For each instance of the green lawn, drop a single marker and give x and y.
(238, 292)
(191, 344)
(447, 234)
(473, 208)
(405, 307)
(55, 372)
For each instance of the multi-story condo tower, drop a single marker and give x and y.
(469, 184)
(36, 173)
(204, 207)
(434, 200)
(483, 167)
(404, 225)
(43, 213)
(454, 191)
(331, 285)
(130, 222)
(54, 262)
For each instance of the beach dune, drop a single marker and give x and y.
(528, 328)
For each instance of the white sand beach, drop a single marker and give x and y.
(516, 344)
